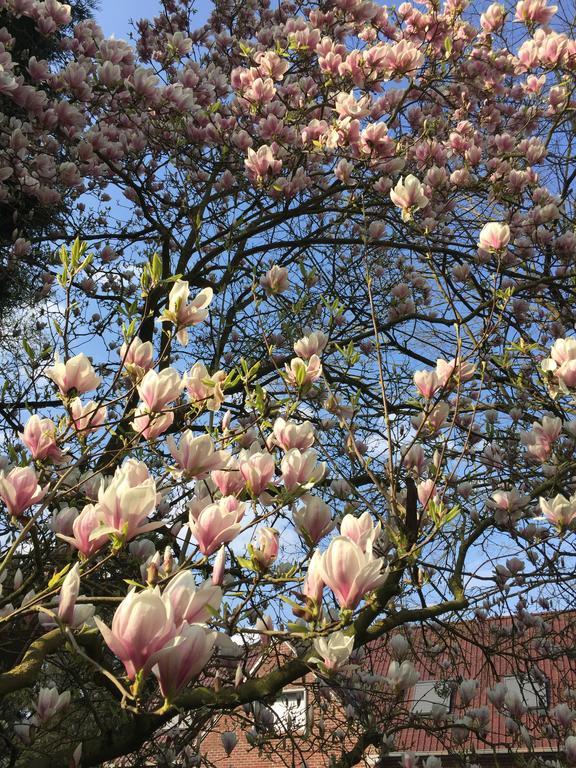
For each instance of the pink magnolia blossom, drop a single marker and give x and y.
(261, 91)
(142, 624)
(493, 18)
(125, 504)
(189, 603)
(196, 455)
(562, 361)
(301, 469)
(301, 374)
(48, 704)
(426, 491)
(270, 64)
(494, 237)
(87, 418)
(313, 586)
(509, 500)
(76, 374)
(159, 389)
(349, 572)
(69, 612)
(267, 550)
(151, 425)
(229, 480)
(570, 748)
(184, 314)
(313, 344)
(63, 520)
(431, 421)
(68, 595)
(219, 567)
(313, 519)
(560, 511)
(39, 436)
(257, 469)
(288, 434)
(204, 389)
(276, 280)
(182, 658)
(334, 650)
(408, 195)
(19, 490)
(534, 11)
(426, 383)
(83, 537)
(262, 164)
(229, 741)
(414, 459)
(217, 524)
(540, 439)
(361, 530)
(456, 370)
(403, 57)
(137, 357)
(346, 105)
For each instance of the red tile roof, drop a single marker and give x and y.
(542, 645)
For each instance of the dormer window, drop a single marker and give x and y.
(430, 697)
(290, 712)
(532, 692)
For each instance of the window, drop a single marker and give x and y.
(430, 696)
(290, 711)
(533, 693)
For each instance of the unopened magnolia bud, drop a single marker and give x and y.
(219, 566)
(229, 741)
(399, 646)
(152, 573)
(18, 579)
(168, 563)
(570, 749)
(227, 418)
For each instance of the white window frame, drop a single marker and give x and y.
(426, 699)
(281, 707)
(534, 693)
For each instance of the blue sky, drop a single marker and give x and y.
(114, 15)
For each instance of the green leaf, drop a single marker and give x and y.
(28, 349)
(58, 576)
(291, 603)
(156, 268)
(133, 583)
(296, 628)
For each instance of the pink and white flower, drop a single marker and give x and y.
(142, 624)
(19, 490)
(196, 456)
(184, 314)
(75, 375)
(39, 436)
(182, 658)
(137, 357)
(313, 519)
(494, 237)
(216, 524)
(89, 417)
(408, 195)
(301, 469)
(350, 572)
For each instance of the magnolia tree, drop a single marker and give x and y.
(306, 375)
